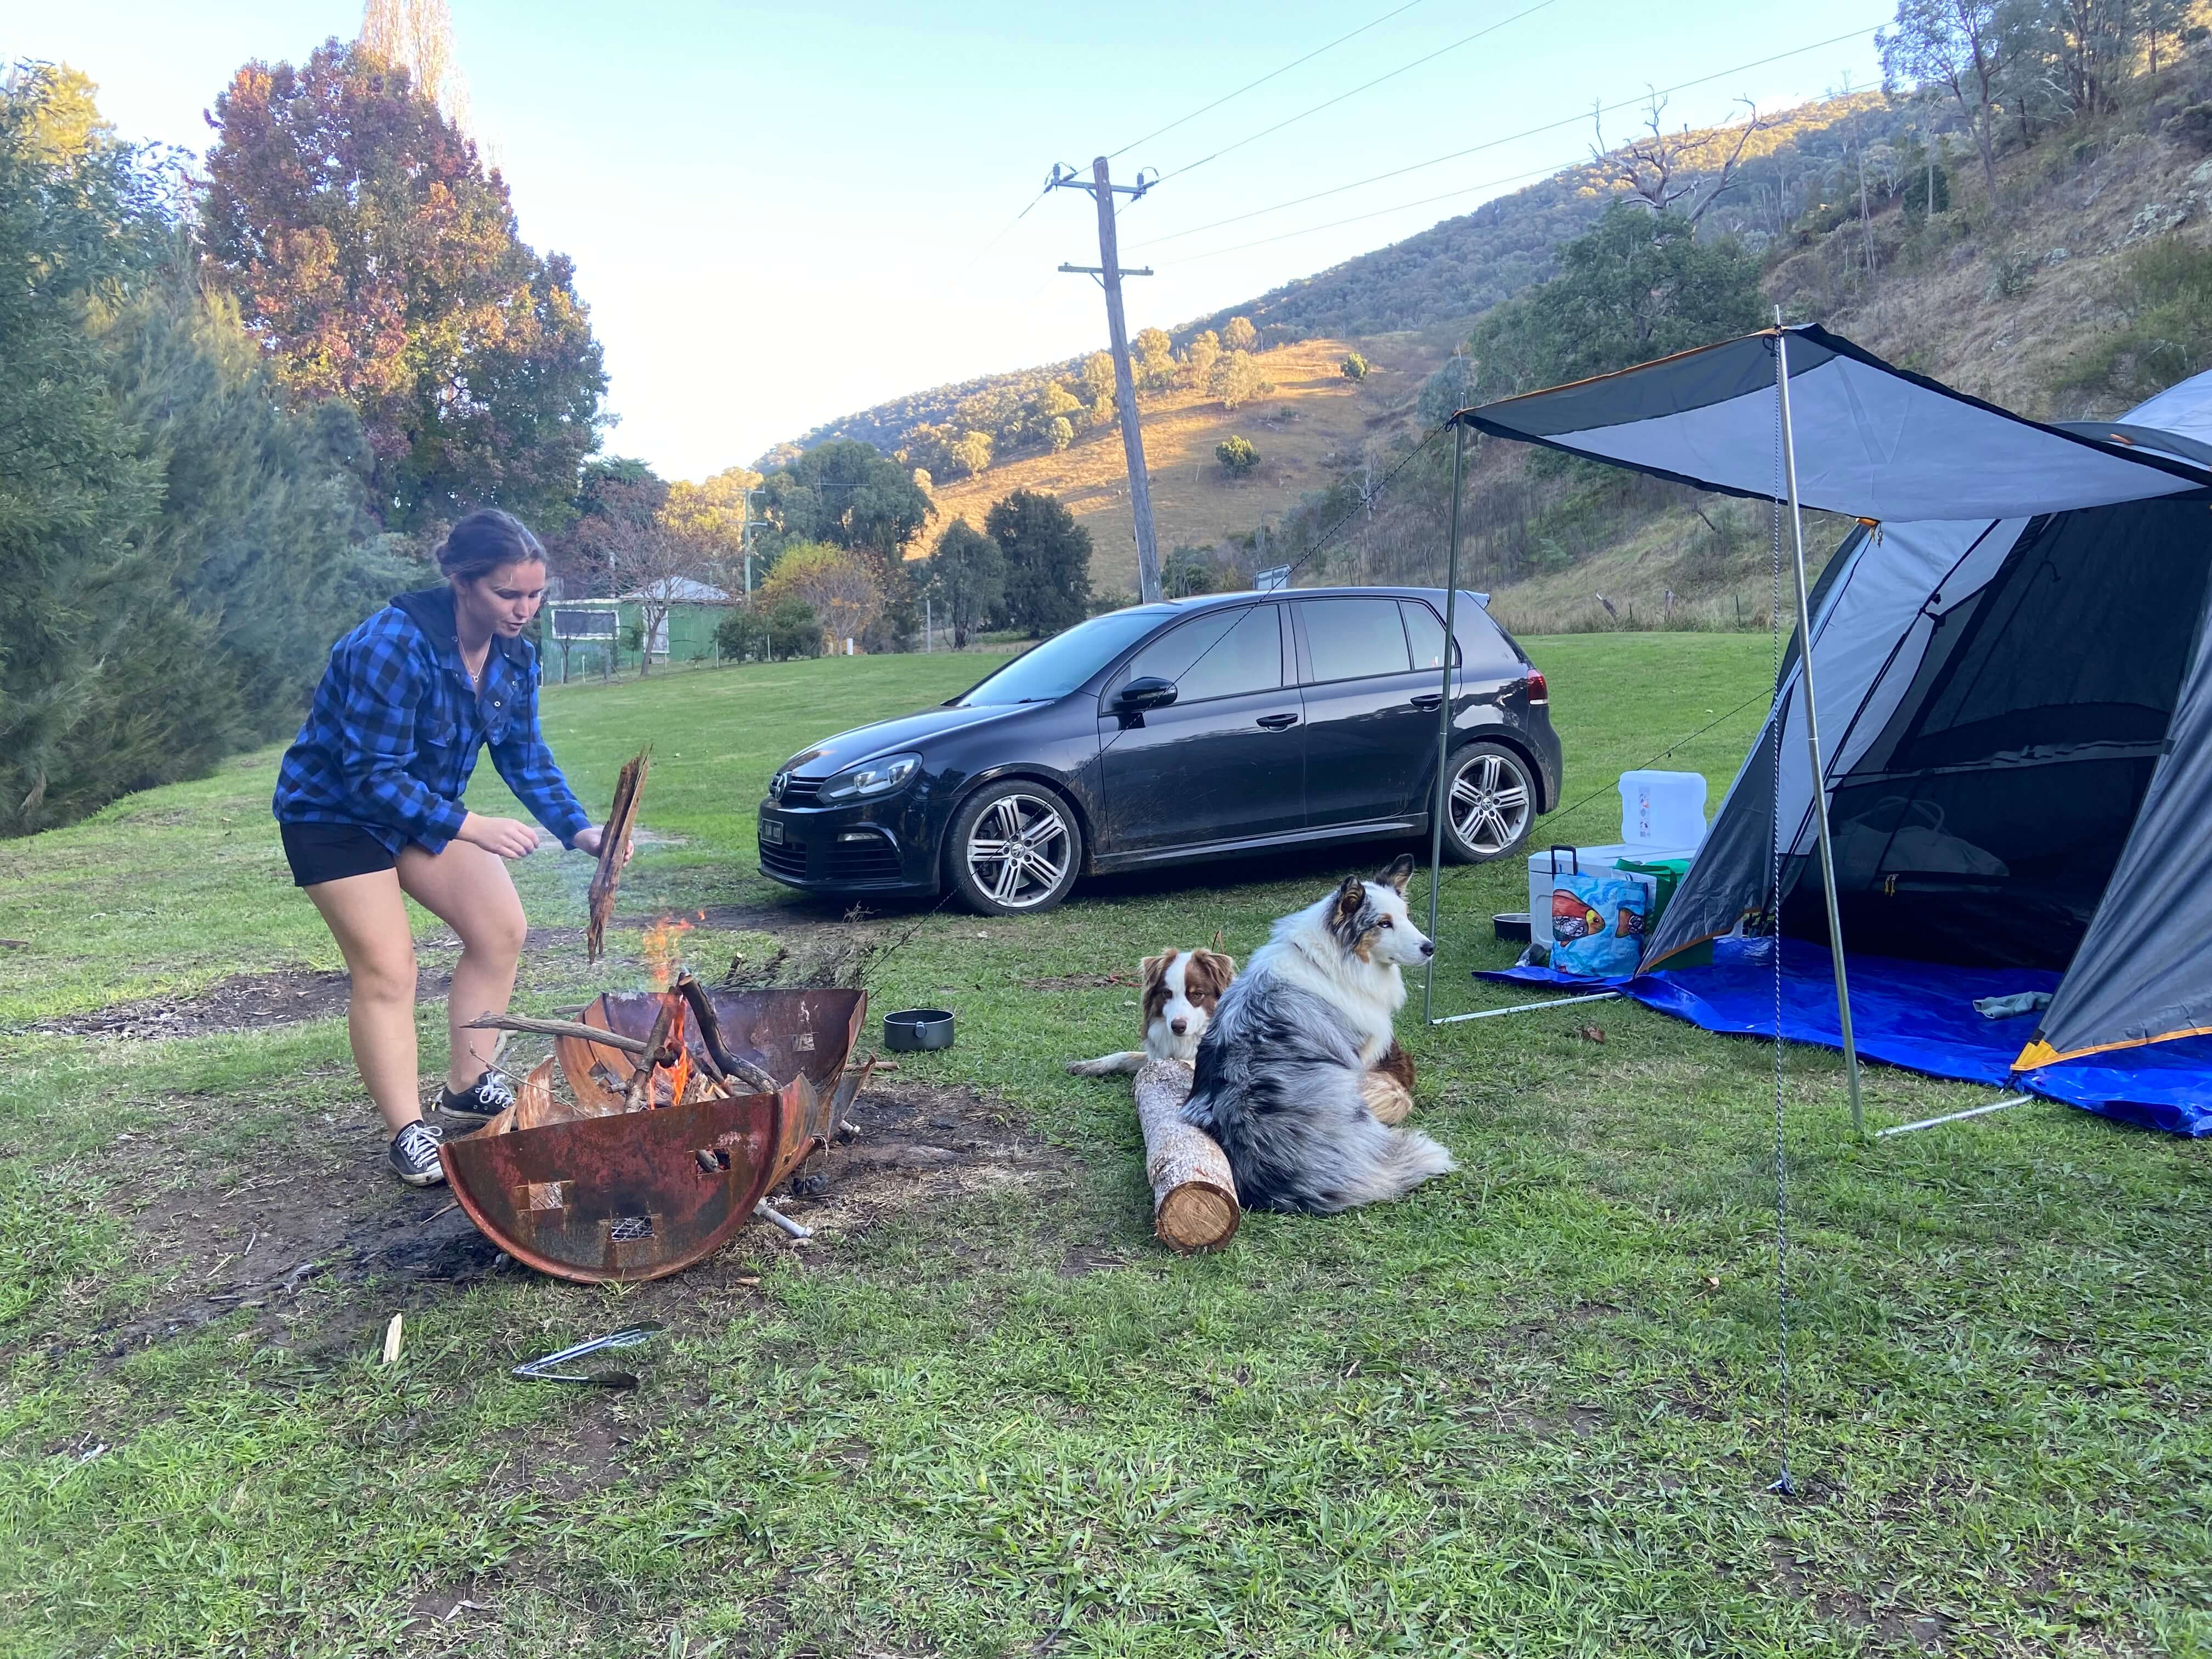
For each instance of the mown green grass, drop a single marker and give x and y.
(1534, 1409)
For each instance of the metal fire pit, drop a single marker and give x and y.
(636, 1195)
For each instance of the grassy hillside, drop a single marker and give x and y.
(1308, 429)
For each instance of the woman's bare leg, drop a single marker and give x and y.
(470, 890)
(369, 918)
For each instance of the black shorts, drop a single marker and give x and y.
(330, 851)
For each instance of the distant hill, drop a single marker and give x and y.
(1442, 277)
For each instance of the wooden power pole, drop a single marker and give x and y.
(1110, 273)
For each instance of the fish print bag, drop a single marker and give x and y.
(1597, 921)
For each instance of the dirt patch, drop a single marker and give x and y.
(257, 1242)
(331, 1216)
(1079, 982)
(244, 1002)
(916, 1144)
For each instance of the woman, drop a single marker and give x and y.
(370, 803)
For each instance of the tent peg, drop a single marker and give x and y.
(1996, 1105)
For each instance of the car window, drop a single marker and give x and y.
(1217, 655)
(1425, 632)
(1063, 662)
(1353, 639)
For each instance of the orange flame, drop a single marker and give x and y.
(664, 950)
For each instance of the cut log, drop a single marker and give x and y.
(614, 844)
(1194, 1193)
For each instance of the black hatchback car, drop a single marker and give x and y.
(1196, 729)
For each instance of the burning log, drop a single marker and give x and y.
(614, 846)
(1193, 1192)
(725, 1064)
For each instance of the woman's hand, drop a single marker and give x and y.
(510, 838)
(591, 838)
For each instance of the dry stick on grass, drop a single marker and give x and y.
(1193, 1192)
(614, 843)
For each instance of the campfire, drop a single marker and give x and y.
(684, 1108)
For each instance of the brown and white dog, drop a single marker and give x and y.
(1182, 990)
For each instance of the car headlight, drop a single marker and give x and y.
(878, 777)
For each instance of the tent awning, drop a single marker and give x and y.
(1871, 440)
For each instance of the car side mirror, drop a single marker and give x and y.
(1149, 691)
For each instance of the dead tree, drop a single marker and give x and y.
(1660, 168)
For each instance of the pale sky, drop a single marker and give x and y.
(780, 216)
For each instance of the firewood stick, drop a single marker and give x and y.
(724, 1063)
(1194, 1191)
(567, 1028)
(639, 1094)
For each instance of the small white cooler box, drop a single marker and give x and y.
(1662, 816)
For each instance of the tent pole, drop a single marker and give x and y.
(1443, 721)
(1813, 734)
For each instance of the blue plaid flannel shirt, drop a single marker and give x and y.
(392, 735)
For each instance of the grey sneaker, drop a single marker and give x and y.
(414, 1154)
(484, 1100)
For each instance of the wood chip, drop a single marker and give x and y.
(391, 1333)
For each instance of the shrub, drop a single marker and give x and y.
(2167, 288)
(1236, 456)
(1354, 366)
(788, 627)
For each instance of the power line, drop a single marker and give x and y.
(1262, 81)
(1363, 87)
(1492, 183)
(1003, 231)
(1492, 143)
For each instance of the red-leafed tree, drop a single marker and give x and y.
(377, 261)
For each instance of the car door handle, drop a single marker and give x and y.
(1278, 722)
(1427, 700)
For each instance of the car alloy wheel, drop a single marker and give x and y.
(1019, 852)
(1490, 804)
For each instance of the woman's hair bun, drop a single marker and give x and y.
(484, 541)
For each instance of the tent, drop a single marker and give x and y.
(2013, 694)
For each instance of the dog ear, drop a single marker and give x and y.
(1351, 898)
(1213, 972)
(1399, 873)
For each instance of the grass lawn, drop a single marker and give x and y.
(1534, 1409)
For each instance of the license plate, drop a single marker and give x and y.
(771, 832)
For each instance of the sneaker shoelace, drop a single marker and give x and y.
(418, 1142)
(493, 1092)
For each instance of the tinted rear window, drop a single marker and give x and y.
(1425, 632)
(1353, 639)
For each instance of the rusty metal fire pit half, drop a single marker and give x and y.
(806, 1032)
(631, 1196)
(636, 1195)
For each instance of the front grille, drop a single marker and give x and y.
(872, 860)
(800, 791)
(783, 859)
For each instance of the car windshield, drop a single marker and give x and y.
(1052, 670)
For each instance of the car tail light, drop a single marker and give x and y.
(1539, 692)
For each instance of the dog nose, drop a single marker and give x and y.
(1179, 1026)
(1428, 947)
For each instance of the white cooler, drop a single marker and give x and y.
(1662, 816)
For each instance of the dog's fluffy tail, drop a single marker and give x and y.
(1396, 1162)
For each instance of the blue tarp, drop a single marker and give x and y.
(1919, 1015)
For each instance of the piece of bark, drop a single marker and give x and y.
(1193, 1192)
(567, 1028)
(534, 1106)
(614, 843)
